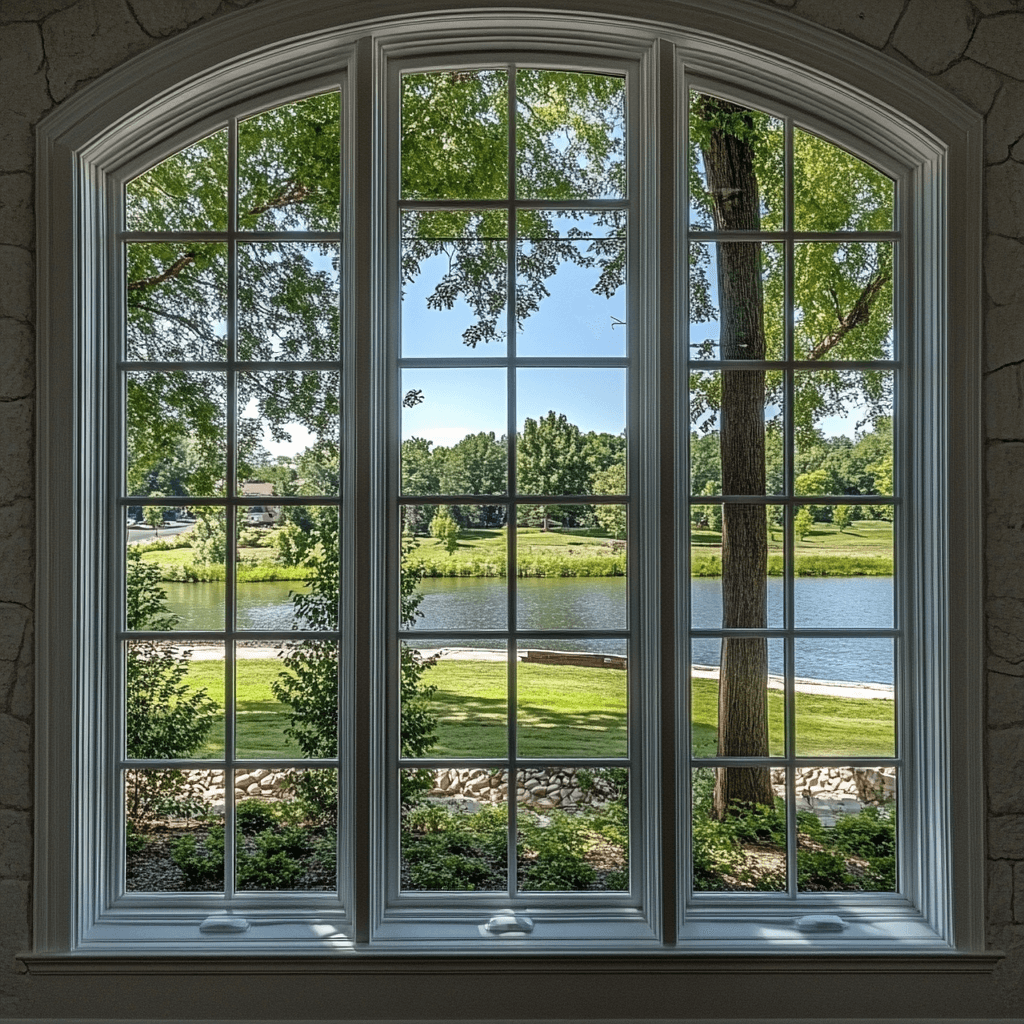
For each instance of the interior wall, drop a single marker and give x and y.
(973, 48)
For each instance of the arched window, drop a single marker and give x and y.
(517, 500)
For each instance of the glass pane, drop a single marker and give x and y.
(740, 846)
(764, 708)
(455, 135)
(735, 167)
(176, 581)
(289, 164)
(455, 557)
(174, 829)
(571, 567)
(177, 301)
(571, 703)
(445, 411)
(286, 830)
(289, 301)
(848, 581)
(186, 192)
(289, 420)
(834, 191)
(733, 452)
(174, 695)
(736, 300)
(288, 573)
(175, 433)
(454, 700)
(454, 830)
(843, 300)
(844, 435)
(572, 428)
(454, 283)
(570, 135)
(738, 584)
(573, 828)
(571, 283)
(846, 822)
(844, 697)
(288, 700)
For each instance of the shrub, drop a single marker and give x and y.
(201, 862)
(255, 815)
(822, 869)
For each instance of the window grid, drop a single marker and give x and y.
(790, 503)
(233, 502)
(511, 501)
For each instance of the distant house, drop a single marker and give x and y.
(260, 515)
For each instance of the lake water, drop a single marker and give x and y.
(600, 603)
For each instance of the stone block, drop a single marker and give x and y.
(15, 844)
(1006, 836)
(870, 21)
(1003, 400)
(1000, 892)
(998, 43)
(1006, 770)
(1005, 700)
(31, 10)
(16, 553)
(25, 91)
(17, 142)
(17, 285)
(1004, 197)
(86, 39)
(1005, 635)
(975, 85)
(1004, 277)
(1018, 892)
(1004, 125)
(933, 33)
(1004, 472)
(15, 763)
(998, 6)
(17, 342)
(1005, 551)
(164, 17)
(17, 219)
(16, 661)
(16, 915)
(17, 473)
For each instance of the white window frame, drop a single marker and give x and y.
(157, 103)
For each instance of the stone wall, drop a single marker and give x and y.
(972, 48)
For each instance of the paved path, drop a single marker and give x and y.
(822, 687)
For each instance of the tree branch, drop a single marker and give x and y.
(859, 315)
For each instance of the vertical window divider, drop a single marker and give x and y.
(788, 547)
(512, 518)
(231, 488)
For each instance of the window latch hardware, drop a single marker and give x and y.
(501, 924)
(820, 923)
(220, 924)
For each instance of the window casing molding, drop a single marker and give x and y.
(133, 117)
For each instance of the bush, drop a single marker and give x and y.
(201, 862)
(255, 815)
(822, 870)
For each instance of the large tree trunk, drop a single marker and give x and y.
(742, 693)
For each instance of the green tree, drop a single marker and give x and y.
(164, 716)
(815, 481)
(444, 528)
(551, 457)
(476, 465)
(841, 516)
(803, 523)
(611, 518)
(154, 516)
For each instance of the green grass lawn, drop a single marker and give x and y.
(863, 537)
(563, 712)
